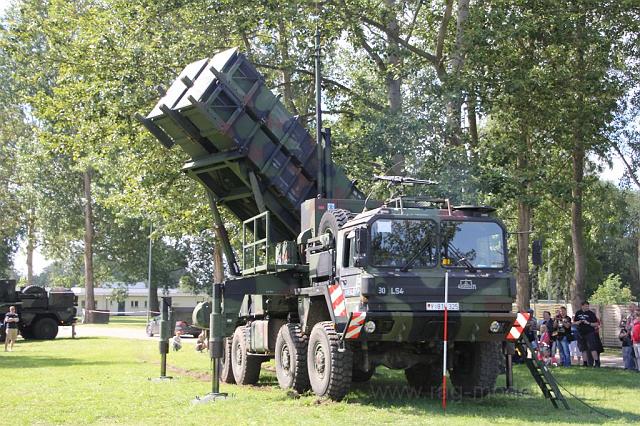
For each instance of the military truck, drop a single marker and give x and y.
(331, 285)
(41, 312)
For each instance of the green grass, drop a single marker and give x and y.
(105, 381)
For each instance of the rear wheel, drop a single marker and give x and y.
(226, 370)
(426, 378)
(246, 368)
(291, 358)
(329, 367)
(45, 329)
(359, 376)
(476, 367)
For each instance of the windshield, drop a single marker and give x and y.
(396, 242)
(472, 244)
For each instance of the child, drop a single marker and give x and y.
(627, 349)
(201, 344)
(545, 346)
(176, 342)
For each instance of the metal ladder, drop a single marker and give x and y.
(543, 377)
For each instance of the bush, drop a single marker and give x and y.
(612, 292)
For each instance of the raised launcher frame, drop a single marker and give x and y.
(249, 152)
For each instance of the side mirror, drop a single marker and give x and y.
(361, 243)
(536, 252)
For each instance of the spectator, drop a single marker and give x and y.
(11, 321)
(201, 344)
(587, 322)
(562, 329)
(573, 345)
(627, 348)
(176, 342)
(635, 338)
(633, 309)
(531, 329)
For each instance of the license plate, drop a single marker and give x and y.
(440, 306)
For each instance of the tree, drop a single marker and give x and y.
(612, 292)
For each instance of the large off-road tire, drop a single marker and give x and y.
(360, 376)
(329, 368)
(333, 220)
(27, 333)
(426, 378)
(476, 367)
(291, 358)
(45, 329)
(246, 368)
(34, 289)
(226, 370)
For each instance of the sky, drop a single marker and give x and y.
(3, 5)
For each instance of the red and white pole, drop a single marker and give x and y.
(444, 348)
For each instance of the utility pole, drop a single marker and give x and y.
(149, 276)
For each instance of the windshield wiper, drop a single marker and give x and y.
(461, 259)
(415, 256)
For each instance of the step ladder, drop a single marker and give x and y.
(543, 377)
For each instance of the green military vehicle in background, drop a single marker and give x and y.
(41, 312)
(331, 285)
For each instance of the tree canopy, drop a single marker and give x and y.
(510, 103)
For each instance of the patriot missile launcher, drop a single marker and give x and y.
(330, 284)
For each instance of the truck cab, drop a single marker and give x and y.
(391, 262)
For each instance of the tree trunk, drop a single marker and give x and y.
(393, 79)
(31, 243)
(287, 89)
(472, 118)
(154, 302)
(90, 304)
(524, 226)
(577, 290)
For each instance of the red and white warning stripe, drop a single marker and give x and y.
(354, 327)
(518, 326)
(337, 300)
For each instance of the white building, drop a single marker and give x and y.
(135, 302)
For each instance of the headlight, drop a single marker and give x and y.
(495, 327)
(369, 327)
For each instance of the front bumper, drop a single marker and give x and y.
(429, 326)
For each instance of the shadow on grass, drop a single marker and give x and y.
(22, 361)
(389, 390)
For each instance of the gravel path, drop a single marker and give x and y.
(87, 330)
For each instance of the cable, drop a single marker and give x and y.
(583, 402)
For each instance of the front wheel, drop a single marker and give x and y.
(329, 366)
(476, 367)
(291, 358)
(45, 329)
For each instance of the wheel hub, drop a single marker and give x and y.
(239, 355)
(319, 360)
(285, 359)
